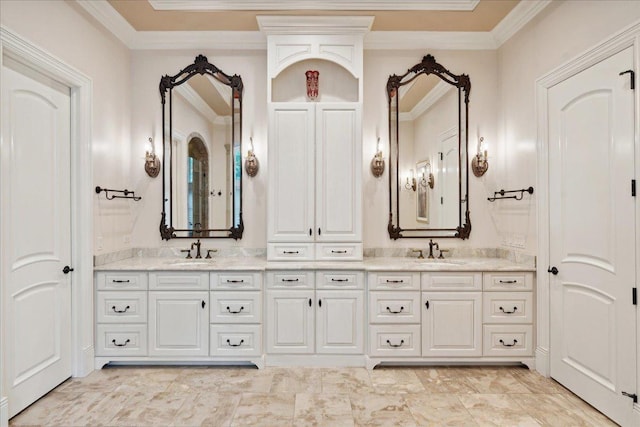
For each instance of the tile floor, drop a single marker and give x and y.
(215, 396)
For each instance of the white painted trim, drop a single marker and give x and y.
(104, 13)
(314, 25)
(456, 5)
(629, 36)
(4, 412)
(192, 97)
(428, 101)
(29, 54)
(519, 16)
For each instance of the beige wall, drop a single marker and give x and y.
(561, 32)
(63, 30)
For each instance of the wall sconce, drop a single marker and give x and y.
(377, 163)
(251, 164)
(480, 163)
(429, 179)
(411, 181)
(151, 161)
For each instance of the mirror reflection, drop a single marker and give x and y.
(203, 186)
(428, 148)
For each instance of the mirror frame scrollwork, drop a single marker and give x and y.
(201, 65)
(427, 66)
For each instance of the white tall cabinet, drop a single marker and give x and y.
(315, 146)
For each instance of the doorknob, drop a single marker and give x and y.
(67, 269)
(553, 270)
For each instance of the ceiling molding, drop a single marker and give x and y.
(272, 24)
(193, 5)
(196, 101)
(434, 95)
(104, 13)
(524, 12)
(110, 19)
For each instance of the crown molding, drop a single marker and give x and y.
(454, 5)
(192, 97)
(427, 102)
(302, 25)
(106, 15)
(524, 12)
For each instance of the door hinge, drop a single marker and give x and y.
(634, 296)
(441, 156)
(633, 396)
(632, 74)
(633, 187)
(442, 200)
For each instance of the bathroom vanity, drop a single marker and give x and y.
(381, 310)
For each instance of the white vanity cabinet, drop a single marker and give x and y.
(315, 179)
(178, 314)
(315, 313)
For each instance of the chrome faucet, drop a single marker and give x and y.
(432, 244)
(197, 246)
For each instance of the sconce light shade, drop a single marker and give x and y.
(151, 162)
(377, 163)
(251, 163)
(480, 163)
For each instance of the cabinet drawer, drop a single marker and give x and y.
(236, 280)
(122, 307)
(392, 341)
(121, 340)
(178, 281)
(508, 281)
(236, 307)
(394, 307)
(451, 281)
(507, 307)
(340, 280)
(290, 279)
(121, 280)
(235, 340)
(339, 251)
(508, 340)
(290, 251)
(394, 280)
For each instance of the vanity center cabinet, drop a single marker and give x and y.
(315, 312)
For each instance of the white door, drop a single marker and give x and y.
(36, 236)
(449, 179)
(291, 173)
(451, 324)
(178, 323)
(338, 195)
(289, 322)
(340, 322)
(592, 235)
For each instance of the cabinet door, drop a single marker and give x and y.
(451, 324)
(289, 322)
(340, 322)
(178, 323)
(291, 173)
(338, 172)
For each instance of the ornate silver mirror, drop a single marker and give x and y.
(202, 134)
(428, 155)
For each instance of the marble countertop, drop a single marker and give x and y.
(368, 264)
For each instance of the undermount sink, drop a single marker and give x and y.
(438, 262)
(187, 263)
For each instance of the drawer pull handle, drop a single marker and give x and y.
(338, 252)
(290, 252)
(339, 280)
(395, 312)
(120, 345)
(235, 281)
(508, 281)
(509, 312)
(290, 280)
(235, 345)
(234, 312)
(395, 281)
(120, 311)
(121, 281)
(509, 345)
(395, 345)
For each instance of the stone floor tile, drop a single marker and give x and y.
(323, 410)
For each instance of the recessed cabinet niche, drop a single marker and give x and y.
(315, 148)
